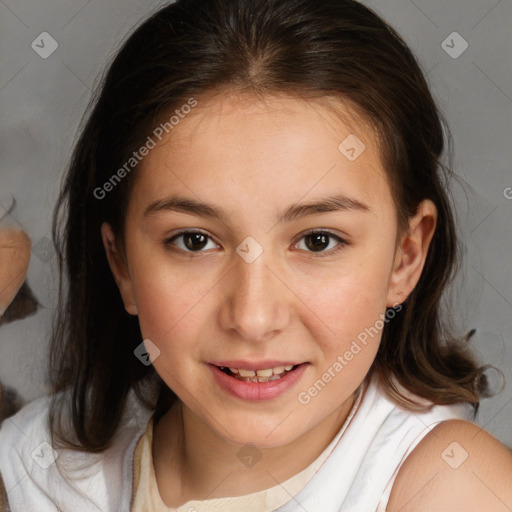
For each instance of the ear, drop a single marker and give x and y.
(119, 268)
(411, 253)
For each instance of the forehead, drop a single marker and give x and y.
(258, 150)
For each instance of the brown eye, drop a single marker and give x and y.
(317, 241)
(192, 241)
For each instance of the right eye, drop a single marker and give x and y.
(192, 241)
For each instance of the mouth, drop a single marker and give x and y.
(263, 375)
(264, 380)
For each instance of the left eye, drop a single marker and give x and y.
(316, 241)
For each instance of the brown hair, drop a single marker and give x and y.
(308, 48)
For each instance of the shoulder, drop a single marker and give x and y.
(456, 466)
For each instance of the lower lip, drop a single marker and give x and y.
(257, 391)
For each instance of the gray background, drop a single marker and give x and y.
(42, 102)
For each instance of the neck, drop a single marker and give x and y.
(192, 461)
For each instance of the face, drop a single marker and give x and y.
(270, 282)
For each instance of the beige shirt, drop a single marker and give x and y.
(146, 497)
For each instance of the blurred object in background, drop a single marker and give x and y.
(16, 298)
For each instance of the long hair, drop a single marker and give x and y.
(307, 48)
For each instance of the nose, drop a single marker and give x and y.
(257, 302)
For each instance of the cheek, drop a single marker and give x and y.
(169, 312)
(167, 298)
(345, 311)
(349, 296)
(167, 309)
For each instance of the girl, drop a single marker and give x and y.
(256, 237)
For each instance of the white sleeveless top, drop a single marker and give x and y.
(354, 473)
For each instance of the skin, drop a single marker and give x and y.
(482, 481)
(252, 158)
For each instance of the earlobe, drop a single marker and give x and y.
(118, 268)
(411, 253)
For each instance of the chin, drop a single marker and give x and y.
(267, 435)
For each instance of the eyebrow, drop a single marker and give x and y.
(181, 204)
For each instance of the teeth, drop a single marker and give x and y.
(246, 373)
(264, 375)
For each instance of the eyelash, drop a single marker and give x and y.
(168, 242)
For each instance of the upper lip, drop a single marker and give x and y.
(253, 365)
